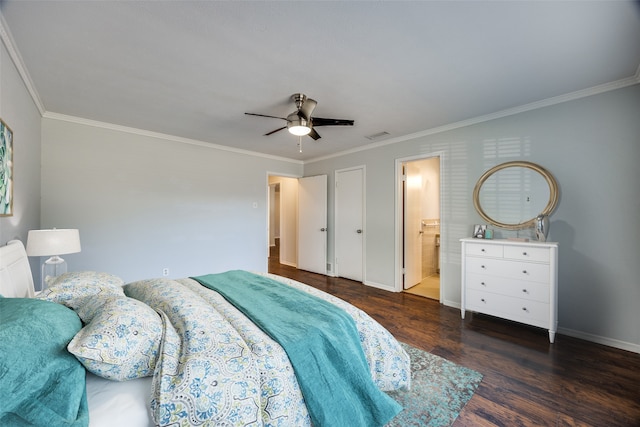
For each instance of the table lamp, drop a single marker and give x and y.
(53, 243)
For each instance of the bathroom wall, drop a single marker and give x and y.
(430, 170)
(430, 246)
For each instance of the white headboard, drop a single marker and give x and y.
(16, 280)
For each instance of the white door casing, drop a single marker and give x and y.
(349, 219)
(399, 242)
(312, 224)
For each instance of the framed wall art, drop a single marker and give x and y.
(6, 170)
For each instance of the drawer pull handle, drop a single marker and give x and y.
(525, 291)
(482, 266)
(524, 309)
(524, 271)
(524, 253)
(482, 299)
(483, 284)
(482, 250)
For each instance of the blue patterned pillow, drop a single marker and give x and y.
(121, 342)
(83, 291)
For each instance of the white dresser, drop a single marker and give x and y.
(513, 280)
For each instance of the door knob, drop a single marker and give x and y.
(359, 231)
(323, 229)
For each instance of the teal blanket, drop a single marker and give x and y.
(41, 383)
(322, 343)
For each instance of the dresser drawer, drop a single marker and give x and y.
(484, 249)
(531, 312)
(533, 291)
(532, 272)
(527, 253)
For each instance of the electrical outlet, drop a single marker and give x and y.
(165, 271)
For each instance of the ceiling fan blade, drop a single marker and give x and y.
(264, 115)
(318, 121)
(274, 131)
(315, 135)
(307, 108)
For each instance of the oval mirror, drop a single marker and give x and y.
(511, 195)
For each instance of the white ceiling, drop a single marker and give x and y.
(191, 69)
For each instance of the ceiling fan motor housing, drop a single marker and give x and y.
(299, 99)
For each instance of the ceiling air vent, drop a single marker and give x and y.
(377, 135)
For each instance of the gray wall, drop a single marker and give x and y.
(591, 145)
(144, 203)
(19, 112)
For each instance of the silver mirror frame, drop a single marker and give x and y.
(551, 205)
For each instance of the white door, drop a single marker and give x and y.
(412, 225)
(312, 224)
(349, 233)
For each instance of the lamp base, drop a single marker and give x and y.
(52, 268)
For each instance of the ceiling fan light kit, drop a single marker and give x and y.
(297, 125)
(299, 129)
(300, 122)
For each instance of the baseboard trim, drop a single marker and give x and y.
(380, 286)
(610, 342)
(452, 304)
(290, 264)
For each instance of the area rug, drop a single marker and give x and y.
(439, 391)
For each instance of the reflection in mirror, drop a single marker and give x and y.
(511, 195)
(514, 195)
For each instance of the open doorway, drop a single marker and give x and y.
(283, 219)
(299, 207)
(421, 227)
(274, 223)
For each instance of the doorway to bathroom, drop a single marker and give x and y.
(421, 227)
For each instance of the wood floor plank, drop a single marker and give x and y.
(527, 381)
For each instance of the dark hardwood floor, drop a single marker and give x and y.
(527, 381)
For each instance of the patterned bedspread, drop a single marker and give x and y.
(217, 368)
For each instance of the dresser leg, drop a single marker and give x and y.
(552, 336)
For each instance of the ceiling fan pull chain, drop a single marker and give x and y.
(300, 143)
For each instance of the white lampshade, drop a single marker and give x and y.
(53, 242)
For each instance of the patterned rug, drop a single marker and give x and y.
(439, 391)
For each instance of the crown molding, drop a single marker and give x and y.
(162, 136)
(9, 44)
(606, 87)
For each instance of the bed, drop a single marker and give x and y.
(232, 348)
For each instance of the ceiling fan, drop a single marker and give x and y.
(300, 122)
